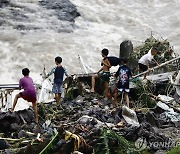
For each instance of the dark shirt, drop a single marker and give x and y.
(124, 74)
(59, 72)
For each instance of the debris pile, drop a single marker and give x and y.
(87, 122)
(165, 53)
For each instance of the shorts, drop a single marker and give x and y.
(123, 89)
(105, 76)
(28, 98)
(57, 88)
(143, 67)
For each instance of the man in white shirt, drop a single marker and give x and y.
(146, 59)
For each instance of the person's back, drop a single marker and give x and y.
(124, 74)
(59, 74)
(146, 58)
(27, 84)
(29, 93)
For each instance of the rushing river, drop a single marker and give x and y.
(31, 35)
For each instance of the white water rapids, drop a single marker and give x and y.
(103, 23)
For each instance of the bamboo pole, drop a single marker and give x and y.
(156, 67)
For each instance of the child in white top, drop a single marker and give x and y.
(146, 59)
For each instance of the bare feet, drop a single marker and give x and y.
(92, 91)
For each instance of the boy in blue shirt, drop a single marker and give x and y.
(59, 72)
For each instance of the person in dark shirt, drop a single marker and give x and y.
(123, 74)
(59, 72)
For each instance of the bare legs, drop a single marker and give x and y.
(34, 105)
(15, 101)
(126, 98)
(93, 80)
(115, 102)
(58, 98)
(106, 88)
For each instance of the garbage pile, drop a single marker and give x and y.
(89, 124)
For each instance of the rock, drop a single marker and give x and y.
(59, 144)
(4, 145)
(4, 3)
(126, 47)
(85, 119)
(152, 119)
(130, 116)
(64, 9)
(14, 127)
(22, 133)
(132, 133)
(27, 115)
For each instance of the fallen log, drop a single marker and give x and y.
(156, 67)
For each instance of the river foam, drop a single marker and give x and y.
(32, 35)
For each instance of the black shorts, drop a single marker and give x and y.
(142, 67)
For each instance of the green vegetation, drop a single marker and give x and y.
(175, 150)
(163, 47)
(110, 143)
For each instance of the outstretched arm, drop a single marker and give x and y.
(51, 72)
(155, 62)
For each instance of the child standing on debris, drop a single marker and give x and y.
(59, 72)
(103, 73)
(123, 73)
(29, 92)
(146, 59)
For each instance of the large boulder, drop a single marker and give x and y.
(126, 47)
(64, 9)
(4, 3)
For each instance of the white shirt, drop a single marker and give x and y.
(146, 58)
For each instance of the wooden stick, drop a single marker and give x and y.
(156, 67)
(10, 139)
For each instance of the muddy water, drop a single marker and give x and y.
(32, 34)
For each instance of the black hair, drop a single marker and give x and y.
(105, 52)
(124, 60)
(155, 49)
(58, 60)
(25, 71)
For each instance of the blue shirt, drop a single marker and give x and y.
(59, 72)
